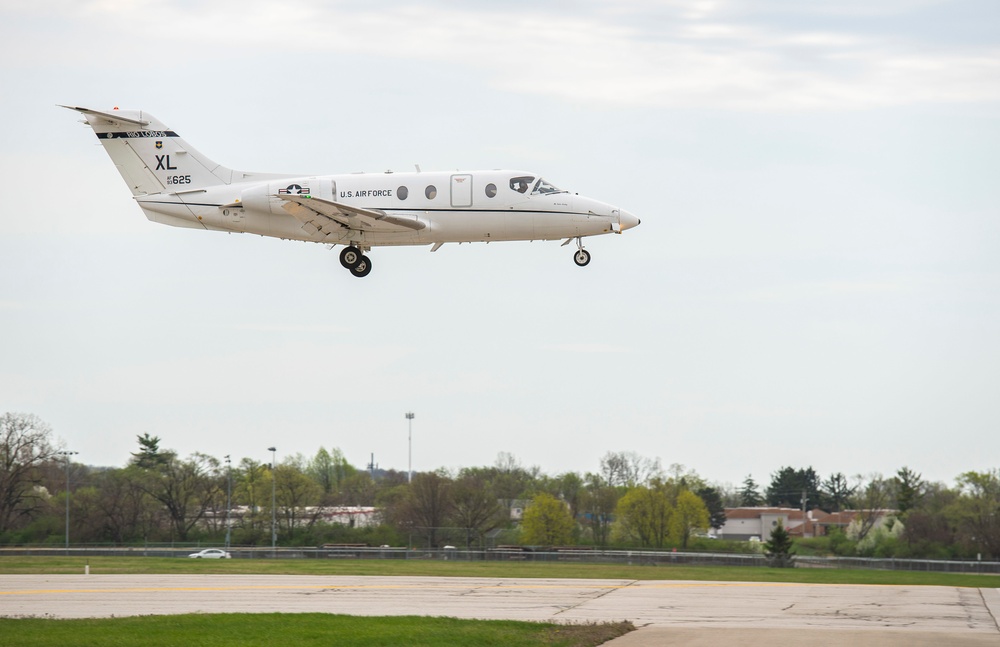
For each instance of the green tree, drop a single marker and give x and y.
(779, 547)
(643, 514)
(149, 456)
(689, 516)
(329, 469)
(909, 488)
(713, 502)
(788, 485)
(547, 522)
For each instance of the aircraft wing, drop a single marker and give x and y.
(318, 215)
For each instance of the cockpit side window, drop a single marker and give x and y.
(521, 184)
(544, 188)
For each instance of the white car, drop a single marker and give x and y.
(211, 553)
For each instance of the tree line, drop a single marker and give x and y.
(629, 501)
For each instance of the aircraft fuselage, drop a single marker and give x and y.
(460, 208)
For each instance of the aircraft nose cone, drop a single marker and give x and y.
(627, 220)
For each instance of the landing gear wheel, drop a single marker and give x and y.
(363, 268)
(581, 257)
(350, 257)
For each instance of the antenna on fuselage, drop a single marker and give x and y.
(417, 166)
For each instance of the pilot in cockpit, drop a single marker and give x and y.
(521, 184)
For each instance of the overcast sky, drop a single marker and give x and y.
(816, 280)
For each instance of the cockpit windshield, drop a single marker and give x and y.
(521, 184)
(544, 188)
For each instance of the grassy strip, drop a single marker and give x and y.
(10, 564)
(302, 630)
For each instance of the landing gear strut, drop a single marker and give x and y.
(581, 257)
(352, 259)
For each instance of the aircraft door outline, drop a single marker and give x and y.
(461, 190)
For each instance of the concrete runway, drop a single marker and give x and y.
(668, 612)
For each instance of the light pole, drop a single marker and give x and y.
(409, 470)
(67, 454)
(274, 481)
(229, 499)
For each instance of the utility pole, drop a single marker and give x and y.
(274, 485)
(229, 500)
(67, 454)
(804, 513)
(409, 470)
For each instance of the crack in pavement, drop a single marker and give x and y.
(597, 597)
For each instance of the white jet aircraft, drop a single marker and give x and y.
(176, 185)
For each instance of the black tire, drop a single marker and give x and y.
(363, 268)
(581, 257)
(350, 257)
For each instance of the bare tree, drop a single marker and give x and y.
(871, 502)
(978, 511)
(629, 469)
(598, 505)
(476, 506)
(186, 488)
(25, 446)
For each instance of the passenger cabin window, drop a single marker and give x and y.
(521, 184)
(544, 188)
(431, 192)
(491, 190)
(402, 193)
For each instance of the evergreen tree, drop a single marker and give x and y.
(779, 547)
(149, 455)
(750, 494)
(788, 484)
(836, 492)
(713, 502)
(909, 489)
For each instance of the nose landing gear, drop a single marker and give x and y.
(581, 256)
(352, 259)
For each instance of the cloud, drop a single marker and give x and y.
(586, 349)
(794, 292)
(703, 55)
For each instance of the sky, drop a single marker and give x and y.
(815, 282)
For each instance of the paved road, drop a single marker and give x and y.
(670, 612)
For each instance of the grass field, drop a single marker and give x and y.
(160, 565)
(301, 630)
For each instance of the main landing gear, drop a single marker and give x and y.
(352, 259)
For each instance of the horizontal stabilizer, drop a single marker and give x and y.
(110, 116)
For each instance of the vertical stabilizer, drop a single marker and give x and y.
(150, 157)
